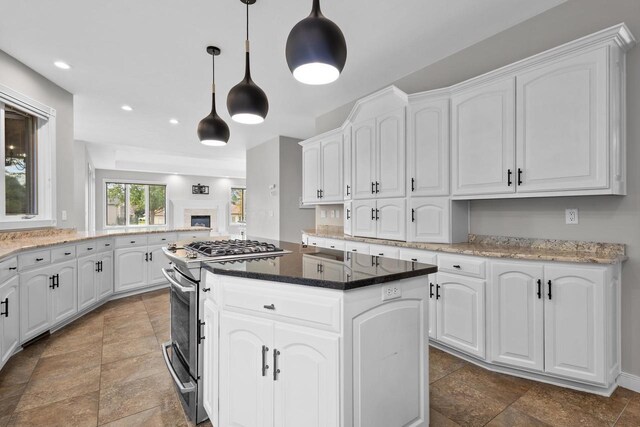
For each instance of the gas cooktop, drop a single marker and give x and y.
(231, 248)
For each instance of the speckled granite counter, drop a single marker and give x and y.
(13, 243)
(507, 247)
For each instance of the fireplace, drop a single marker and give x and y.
(201, 221)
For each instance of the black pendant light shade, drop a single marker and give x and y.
(246, 102)
(212, 130)
(316, 49)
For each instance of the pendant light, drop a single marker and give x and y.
(246, 102)
(212, 130)
(316, 49)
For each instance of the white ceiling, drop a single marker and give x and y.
(151, 55)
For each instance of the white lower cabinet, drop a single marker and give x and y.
(95, 278)
(138, 267)
(48, 296)
(156, 262)
(382, 219)
(211, 360)
(460, 307)
(104, 278)
(9, 320)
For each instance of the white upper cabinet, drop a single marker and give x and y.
(364, 159)
(9, 320)
(562, 136)
(346, 161)
(483, 138)
(322, 167)
(428, 145)
(438, 220)
(390, 156)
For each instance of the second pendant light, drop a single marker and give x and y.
(246, 102)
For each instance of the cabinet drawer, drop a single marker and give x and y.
(8, 269)
(129, 241)
(417, 255)
(308, 308)
(316, 241)
(194, 235)
(467, 266)
(34, 258)
(87, 248)
(161, 238)
(63, 253)
(334, 244)
(385, 251)
(105, 245)
(361, 248)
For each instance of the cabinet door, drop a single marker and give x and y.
(364, 218)
(157, 261)
(64, 298)
(433, 307)
(483, 139)
(391, 219)
(574, 322)
(363, 142)
(9, 322)
(305, 389)
(331, 173)
(246, 395)
(87, 283)
(346, 161)
(428, 148)
(130, 268)
(210, 361)
(390, 156)
(430, 219)
(461, 321)
(348, 218)
(310, 172)
(35, 306)
(311, 267)
(332, 270)
(517, 309)
(562, 139)
(104, 278)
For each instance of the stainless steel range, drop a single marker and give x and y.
(183, 352)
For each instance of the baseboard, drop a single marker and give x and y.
(629, 381)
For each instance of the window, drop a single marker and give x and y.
(134, 204)
(238, 210)
(27, 146)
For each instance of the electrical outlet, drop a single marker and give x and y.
(64, 215)
(571, 216)
(391, 291)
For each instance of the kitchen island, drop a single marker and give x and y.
(316, 337)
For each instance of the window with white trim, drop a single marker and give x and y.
(130, 204)
(27, 146)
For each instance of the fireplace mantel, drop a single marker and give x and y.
(217, 209)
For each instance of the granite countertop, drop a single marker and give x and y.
(507, 247)
(342, 270)
(13, 243)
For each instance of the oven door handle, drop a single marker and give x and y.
(184, 388)
(175, 283)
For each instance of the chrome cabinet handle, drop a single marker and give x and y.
(265, 367)
(184, 388)
(276, 370)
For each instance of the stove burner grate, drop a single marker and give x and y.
(222, 248)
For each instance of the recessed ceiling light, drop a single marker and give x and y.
(127, 108)
(174, 121)
(61, 64)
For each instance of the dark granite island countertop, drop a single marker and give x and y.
(324, 268)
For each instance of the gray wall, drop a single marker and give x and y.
(274, 214)
(178, 188)
(603, 218)
(23, 79)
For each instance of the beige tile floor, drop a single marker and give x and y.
(107, 369)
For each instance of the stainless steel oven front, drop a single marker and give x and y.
(183, 353)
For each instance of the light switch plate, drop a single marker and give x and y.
(323, 213)
(571, 216)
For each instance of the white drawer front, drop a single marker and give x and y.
(385, 251)
(129, 241)
(316, 241)
(88, 248)
(361, 248)
(161, 238)
(34, 259)
(467, 266)
(417, 255)
(313, 310)
(334, 244)
(8, 269)
(105, 245)
(62, 254)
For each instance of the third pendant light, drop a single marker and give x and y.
(246, 102)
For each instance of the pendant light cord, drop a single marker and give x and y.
(213, 73)
(247, 21)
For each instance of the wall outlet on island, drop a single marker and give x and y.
(571, 216)
(391, 291)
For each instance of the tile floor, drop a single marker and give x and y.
(107, 369)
